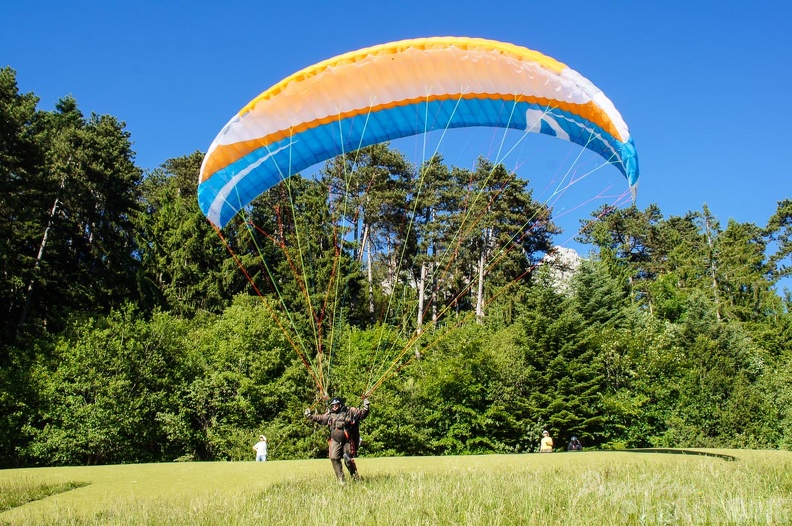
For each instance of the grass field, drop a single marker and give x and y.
(563, 488)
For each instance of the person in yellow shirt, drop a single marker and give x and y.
(547, 443)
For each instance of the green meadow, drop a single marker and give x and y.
(591, 487)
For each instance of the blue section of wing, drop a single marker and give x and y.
(229, 190)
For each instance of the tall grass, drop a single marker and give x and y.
(580, 488)
(14, 493)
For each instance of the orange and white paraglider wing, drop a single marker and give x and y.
(396, 90)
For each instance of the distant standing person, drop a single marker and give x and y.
(575, 445)
(547, 443)
(343, 422)
(261, 449)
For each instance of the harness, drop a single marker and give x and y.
(350, 429)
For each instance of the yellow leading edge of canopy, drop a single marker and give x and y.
(224, 155)
(517, 52)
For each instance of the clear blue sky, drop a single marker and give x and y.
(703, 85)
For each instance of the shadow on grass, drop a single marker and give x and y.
(670, 451)
(319, 484)
(15, 494)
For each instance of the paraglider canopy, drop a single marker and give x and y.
(400, 89)
(432, 255)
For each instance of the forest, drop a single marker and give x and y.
(134, 331)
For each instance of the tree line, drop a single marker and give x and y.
(131, 335)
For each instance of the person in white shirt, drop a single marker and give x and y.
(261, 449)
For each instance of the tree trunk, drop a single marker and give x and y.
(421, 299)
(482, 275)
(363, 243)
(357, 251)
(391, 267)
(370, 275)
(713, 266)
(434, 275)
(480, 292)
(40, 256)
(434, 292)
